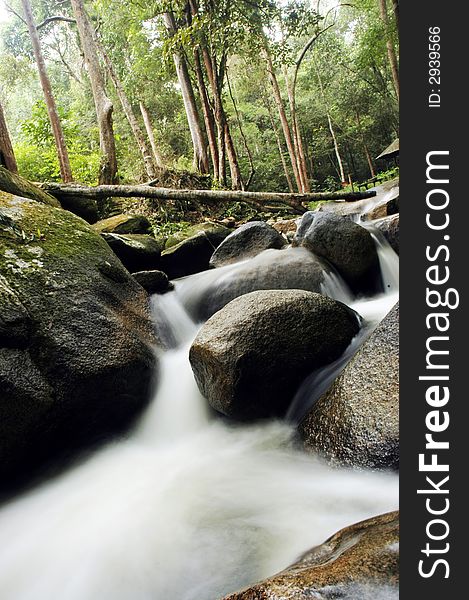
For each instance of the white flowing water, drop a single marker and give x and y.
(188, 507)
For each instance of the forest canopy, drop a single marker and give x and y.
(265, 95)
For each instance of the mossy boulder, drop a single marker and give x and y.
(136, 251)
(356, 421)
(76, 338)
(215, 232)
(188, 257)
(359, 562)
(251, 356)
(17, 185)
(124, 224)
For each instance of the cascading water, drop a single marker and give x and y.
(188, 507)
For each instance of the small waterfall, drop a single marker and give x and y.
(187, 507)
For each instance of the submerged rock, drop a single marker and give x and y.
(349, 247)
(271, 270)
(389, 227)
(356, 422)
(124, 224)
(17, 185)
(76, 338)
(251, 356)
(245, 242)
(360, 562)
(155, 282)
(137, 252)
(188, 257)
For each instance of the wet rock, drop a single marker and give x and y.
(86, 208)
(18, 186)
(137, 252)
(76, 338)
(383, 210)
(154, 282)
(271, 270)
(360, 562)
(389, 227)
(188, 257)
(349, 247)
(124, 224)
(215, 232)
(247, 241)
(356, 422)
(251, 356)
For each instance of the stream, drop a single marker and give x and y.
(190, 506)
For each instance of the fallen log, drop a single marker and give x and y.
(295, 201)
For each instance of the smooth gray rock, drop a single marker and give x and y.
(154, 282)
(251, 356)
(389, 227)
(356, 422)
(349, 247)
(188, 257)
(245, 242)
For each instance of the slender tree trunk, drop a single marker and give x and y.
(280, 149)
(283, 117)
(129, 113)
(7, 156)
(297, 141)
(395, 7)
(200, 152)
(62, 153)
(365, 147)
(151, 136)
(208, 115)
(104, 107)
(390, 46)
(236, 179)
(243, 137)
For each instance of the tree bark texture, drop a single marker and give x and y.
(7, 156)
(104, 107)
(62, 153)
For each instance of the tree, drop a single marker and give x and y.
(103, 105)
(64, 161)
(7, 156)
(389, 43)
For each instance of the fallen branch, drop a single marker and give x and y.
(295, 201)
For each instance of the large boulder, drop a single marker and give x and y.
(17, 185)
(124, 224)
(349, 247)
(360, 562)
(136, 251)
(247, 241)
(76, 338)
(389, 227)
(215, 232)
(287, 269)
(356, 422)
(251, 356)
(188, 257)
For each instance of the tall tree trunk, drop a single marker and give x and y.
(7, 156)
(129, 113)
(283, 117)
(104, 107)
(390, 46)
(151, 136)
(331, 128)
(280, 149)
(62, 153)
(298, 143)
(395, 7)
(365, 147)
(243, 137)
(208, 115)
(200, 152)
(236, 179)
